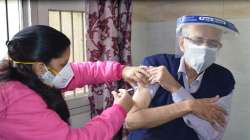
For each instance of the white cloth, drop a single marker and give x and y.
(204, 130)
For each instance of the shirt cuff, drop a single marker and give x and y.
(153, 89)
(181, 95)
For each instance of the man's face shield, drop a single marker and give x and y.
(203, 31)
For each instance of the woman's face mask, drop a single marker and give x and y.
(61, 79)
(199, 57)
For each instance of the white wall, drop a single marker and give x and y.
(139, 42)
(159, 37)
(236, 56)
(152, 37)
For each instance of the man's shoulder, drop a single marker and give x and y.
(159, 59)
(220, 70)
(221, 75)
(159, 56)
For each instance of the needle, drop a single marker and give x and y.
(130, 91)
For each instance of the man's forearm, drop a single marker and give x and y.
(152, 117)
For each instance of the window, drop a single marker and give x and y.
(71, 23)
(10, 21)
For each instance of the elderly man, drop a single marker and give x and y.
(191, 77)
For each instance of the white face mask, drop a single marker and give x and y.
(61, 80)
(199, 57)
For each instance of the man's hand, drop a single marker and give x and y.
(164, 78)
(208, 110)
(136, 74)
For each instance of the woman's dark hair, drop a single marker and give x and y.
(38, 43)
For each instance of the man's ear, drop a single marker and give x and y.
(181, 43)
(39, 68)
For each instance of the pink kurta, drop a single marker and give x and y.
(25, 116)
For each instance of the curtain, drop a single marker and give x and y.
(108, 25)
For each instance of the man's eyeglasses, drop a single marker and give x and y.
(210, 43)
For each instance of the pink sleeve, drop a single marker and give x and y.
(36, 122)
(102, 127)
(86, 73)
(105, 126)
(2, 105)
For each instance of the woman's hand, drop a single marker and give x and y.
(123, 98)
(136, 74)
(208, 110)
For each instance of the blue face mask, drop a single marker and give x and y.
(60, 80)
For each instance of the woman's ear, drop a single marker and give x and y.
(181, 43)
(39, 68)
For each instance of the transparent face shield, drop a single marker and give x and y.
(226, 32)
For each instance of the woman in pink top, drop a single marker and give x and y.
(31, 106)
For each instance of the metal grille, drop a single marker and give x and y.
(72, 24)
(10, 21)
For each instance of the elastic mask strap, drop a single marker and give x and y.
(30, 63)
(19, 62)
(52, 70)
